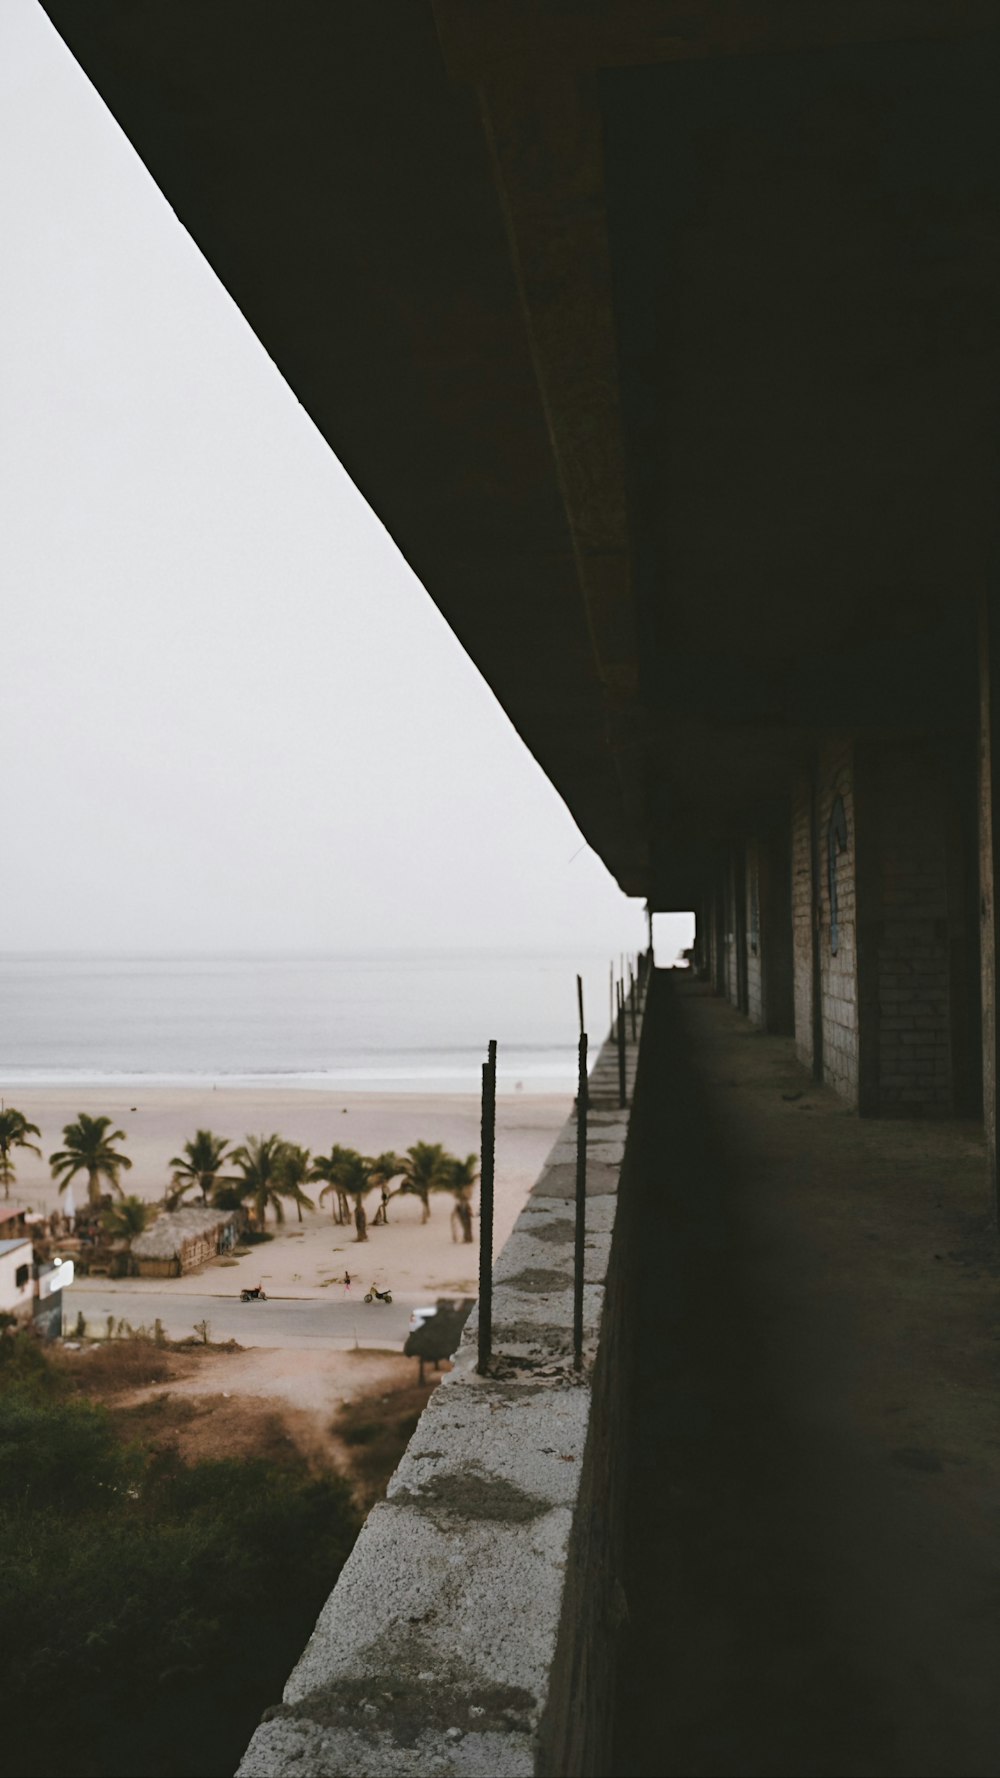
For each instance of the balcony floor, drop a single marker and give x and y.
(814, 1569)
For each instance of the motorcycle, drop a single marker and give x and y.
(256, 1295)
(380, 1296)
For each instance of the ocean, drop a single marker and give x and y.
(379, 1023)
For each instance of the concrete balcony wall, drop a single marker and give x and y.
(472, 1632)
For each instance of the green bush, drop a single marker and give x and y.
(156, 1607)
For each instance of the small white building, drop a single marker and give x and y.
(17, 1284)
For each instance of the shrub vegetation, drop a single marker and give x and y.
(149, 1609)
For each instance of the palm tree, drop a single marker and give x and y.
(126, 1219)
(422, 1172)
(328, 1166)
(385, 1168)
(88, 1150)
(259, 1160)
(459, 1177)
(350, 1173)
(293, 1171)
(14, 1132)
(198, 1167)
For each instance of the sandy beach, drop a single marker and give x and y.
(416, 1260)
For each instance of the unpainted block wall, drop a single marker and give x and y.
(755, 974)
(802, 916)
(838, 969)
(914, 989)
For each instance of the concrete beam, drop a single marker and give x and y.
(489, 36)
(545, 134)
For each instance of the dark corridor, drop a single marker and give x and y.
(814, 1567)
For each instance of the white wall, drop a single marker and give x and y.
(13, 1299)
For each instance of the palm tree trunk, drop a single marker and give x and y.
(361, 1222)
(464, 1214)
(425, 1200)
(93, 1189)
(298, 1206)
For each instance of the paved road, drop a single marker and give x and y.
(281, 1321)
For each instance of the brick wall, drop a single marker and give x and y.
(913, 957)
(802, 916)
(838, 967)
(774, 879)
(755, 974)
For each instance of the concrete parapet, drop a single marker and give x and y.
(462, 1630)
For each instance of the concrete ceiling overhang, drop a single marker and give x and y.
(806, 251)
(684, 416)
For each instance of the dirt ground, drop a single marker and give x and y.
(351, 1411)
(814, 1565)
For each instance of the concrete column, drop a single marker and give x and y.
(803, 915)
(836, 885)
(720, 971)
(755, 943)
(869, 871)
(961, 852)
(989, 870)
(774, 910)
(738, 912)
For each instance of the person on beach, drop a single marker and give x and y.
(347, 1283)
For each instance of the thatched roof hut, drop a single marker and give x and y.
(181, 1239)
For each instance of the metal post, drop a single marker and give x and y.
(611, 999)
(622, 1100)
(579, 1000)
(631, 1002)
(581, 1203)
(486, 1175)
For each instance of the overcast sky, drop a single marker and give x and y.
(230, 715)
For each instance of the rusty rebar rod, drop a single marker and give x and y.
(580, 1231)
(579, 1000)
(632, 994)
(622, 1099)
(487, 1164)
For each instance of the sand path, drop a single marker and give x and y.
(416, 1260)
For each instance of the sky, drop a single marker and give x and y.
(231, 718)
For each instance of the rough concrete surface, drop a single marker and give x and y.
(814, 1583)
(435, 1652)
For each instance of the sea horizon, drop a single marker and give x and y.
(383, 1020)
